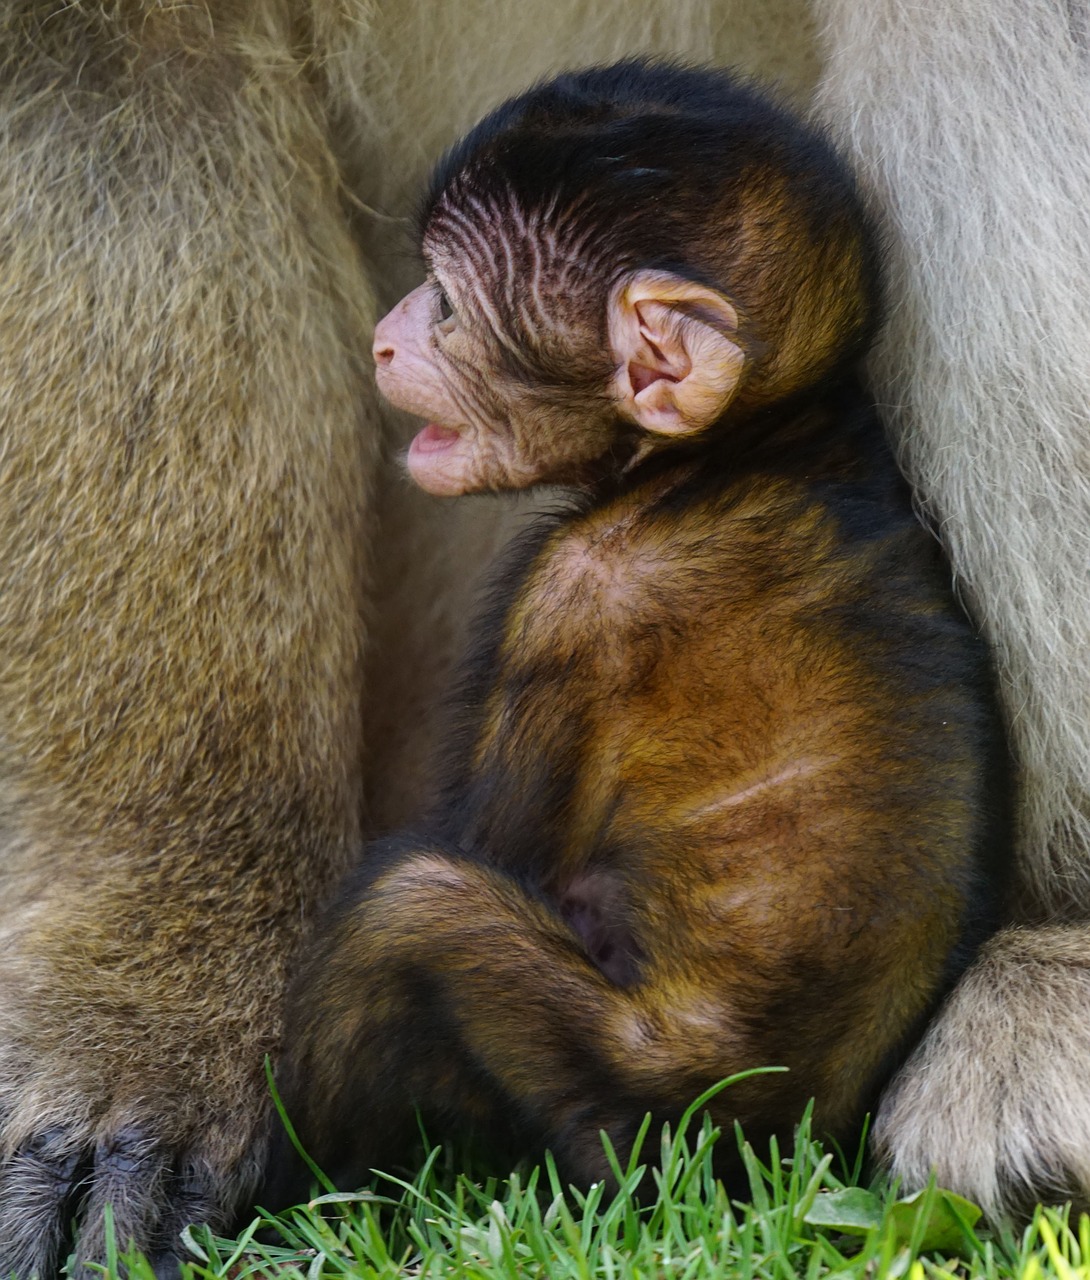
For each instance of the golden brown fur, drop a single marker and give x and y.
(667, 737)
(725, 787)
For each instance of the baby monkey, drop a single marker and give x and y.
(725, 785)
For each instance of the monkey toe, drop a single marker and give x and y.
(992, 1101)
(129, 1191)
(37, 1191)
(124, 1196)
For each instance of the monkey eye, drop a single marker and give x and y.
(445, 311)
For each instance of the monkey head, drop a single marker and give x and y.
(620, 260)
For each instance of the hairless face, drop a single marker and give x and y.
(671, 374)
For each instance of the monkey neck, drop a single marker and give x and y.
(834, 428)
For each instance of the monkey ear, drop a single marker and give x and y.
(674, 342)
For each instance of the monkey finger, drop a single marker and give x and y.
(37, 1189)
(126, 1186)
(191, 1197)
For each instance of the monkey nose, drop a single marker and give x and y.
(382, 350)
(383, 347)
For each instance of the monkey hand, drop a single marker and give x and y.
(994, 1098)
(131, 1076)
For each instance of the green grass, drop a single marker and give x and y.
(808, 1215)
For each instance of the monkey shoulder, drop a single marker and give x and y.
(707, 543)
(711, 645)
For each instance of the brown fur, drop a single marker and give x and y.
(726, 779)
(786, 874)
(184, 474)
(385, 86)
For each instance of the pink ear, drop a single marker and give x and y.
(673, 342)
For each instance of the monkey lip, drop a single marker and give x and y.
(434, 439)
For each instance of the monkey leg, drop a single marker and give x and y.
(111, 1100)
(995, 1098)
(446, 985)
(186, 450)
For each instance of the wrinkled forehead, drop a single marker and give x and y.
(497, 238)
(531, 275)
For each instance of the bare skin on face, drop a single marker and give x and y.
(411, 376)
(671, 340)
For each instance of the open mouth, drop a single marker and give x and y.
(434, 439)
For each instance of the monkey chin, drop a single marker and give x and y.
(437, 461)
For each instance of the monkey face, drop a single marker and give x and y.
(439, 354)
(613, 272)
(422, 365)
(667, 366)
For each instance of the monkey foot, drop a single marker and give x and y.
(149, 1189)
(993, 1100)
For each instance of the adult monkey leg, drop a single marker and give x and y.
(970, 125)
(184, 491)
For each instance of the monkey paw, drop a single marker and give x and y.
(994, 1098)
(132, 1093)
(149, 1177)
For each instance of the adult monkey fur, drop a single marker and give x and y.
(727, 784)
(959, 119)
(189, 440)
(986, 181)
